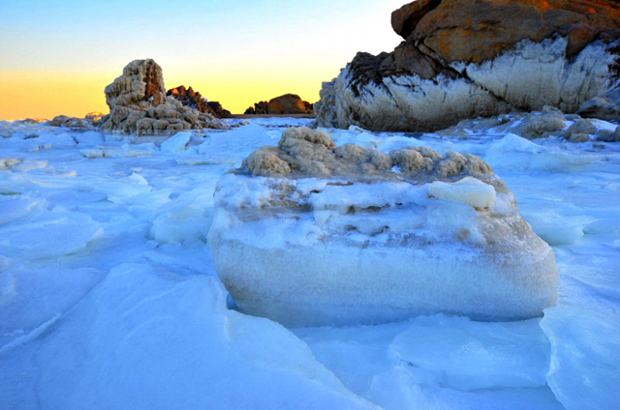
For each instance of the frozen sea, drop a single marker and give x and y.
(109, 297)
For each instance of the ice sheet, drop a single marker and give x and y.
(135, 314)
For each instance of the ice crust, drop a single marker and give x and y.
(327, 235)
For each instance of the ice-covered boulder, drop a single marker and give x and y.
(138, 104)
(465, 59)
(310, 233)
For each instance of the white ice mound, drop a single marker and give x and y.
(308, 233)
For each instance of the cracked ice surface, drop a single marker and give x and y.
(109, 297)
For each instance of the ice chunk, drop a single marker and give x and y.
(62, 140)
(184, 222)
(177, 142)
(555, 229)
(14, 208)
(311, 234)
(584, 365)
(468, 190)
(468, 355)
(52, 234)
(514, 152)
(89, 138)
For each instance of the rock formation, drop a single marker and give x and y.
(310, 233)
(464, 59)
(66, 121)
(550, 122)
(196, 101)
(138, 103)
(90, 120)
(284, 104)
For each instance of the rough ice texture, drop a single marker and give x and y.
(138, 104)
(550, 122)
(403, 103)
(525, 78)
(308, 233)
(533, 75)
(306, 153)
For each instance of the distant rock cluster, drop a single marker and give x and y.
(465, 59)
(193, 99)
(284, 104)
(90, 120)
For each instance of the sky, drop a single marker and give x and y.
(56, 57)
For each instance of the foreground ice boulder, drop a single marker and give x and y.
(308, 233)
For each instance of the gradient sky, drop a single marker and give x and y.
(56, 57)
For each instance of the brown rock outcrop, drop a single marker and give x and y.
(64, 121)
(479, 30)
(481, 58)
(194, 100)
(138, 103)
(284, 104)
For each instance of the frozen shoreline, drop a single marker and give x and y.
(109, 296)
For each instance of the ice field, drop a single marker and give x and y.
(109, 298)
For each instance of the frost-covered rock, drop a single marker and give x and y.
(138, 103)
(464, 60)
(310, 233)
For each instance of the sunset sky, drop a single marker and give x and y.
(57, 57)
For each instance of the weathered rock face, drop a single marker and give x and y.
(194, 100)
(475, 31)
(284, 104)
(309, 233)
(463, 59)
(138, 103)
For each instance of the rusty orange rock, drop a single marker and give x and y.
(479, 30)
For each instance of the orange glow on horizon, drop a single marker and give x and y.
(46, 94)
(52, 67)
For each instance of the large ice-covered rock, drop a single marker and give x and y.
(310, 233)
(465, 59)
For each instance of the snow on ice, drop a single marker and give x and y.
(109, 297)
